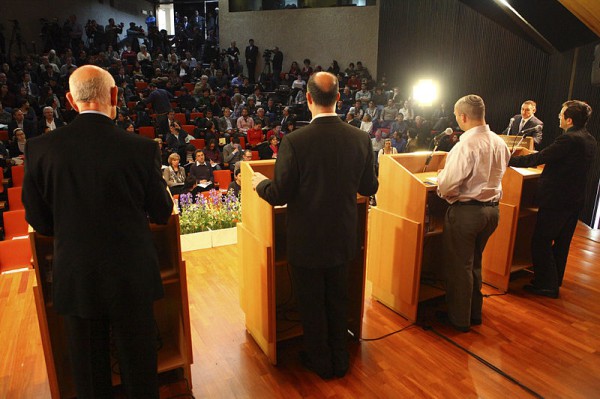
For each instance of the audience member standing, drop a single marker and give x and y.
(251, 59)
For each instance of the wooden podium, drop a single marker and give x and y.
(266, 291)
(513, 141)
(404, 247)
(171, 312)
(509, 248)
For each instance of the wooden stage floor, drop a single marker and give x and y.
(552, 347)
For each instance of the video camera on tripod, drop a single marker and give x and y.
(267, 54)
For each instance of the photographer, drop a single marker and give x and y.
(112, 33)
(277, 66)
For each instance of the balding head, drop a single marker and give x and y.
(91, 84)
(323, 88)
(92, 88)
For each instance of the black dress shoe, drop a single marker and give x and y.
(325, 373)
(443, 318)
(341, 363)
(541, 291)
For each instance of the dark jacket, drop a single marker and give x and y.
(567, 161)
(319, 186)
(94, 186)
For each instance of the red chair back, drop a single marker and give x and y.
(147, 131)
(18, 172)
(4, 135)
(139, 86)
(223, 177)
(255, 156)
(15, 254)
(14, 199)
(198, 143)
(243, 143)
(195, 115)
(189, 129)
(14, 224)
(180, 118)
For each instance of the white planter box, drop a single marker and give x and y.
(224, 237)
(191, 242)
(208, 239)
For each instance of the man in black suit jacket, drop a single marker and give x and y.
(320, 192)
(560, 194)
(105, 271)
(19, 121)
(526, 120)
(251, 59)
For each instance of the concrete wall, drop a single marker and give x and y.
(29, 12)
(346, 34)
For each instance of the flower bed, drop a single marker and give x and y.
(205, 214)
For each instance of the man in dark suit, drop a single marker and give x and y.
(105, 272)
(19, 121)
(251, 58)
(320, 192)
(526, 120)
(561, 194)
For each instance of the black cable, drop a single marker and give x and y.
(485, 362)
(489, 295)
(387, 335)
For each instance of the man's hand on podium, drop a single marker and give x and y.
(257, 178)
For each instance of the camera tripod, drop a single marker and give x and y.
(266, 72)
(15, 37)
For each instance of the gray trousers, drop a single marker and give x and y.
(466, 231)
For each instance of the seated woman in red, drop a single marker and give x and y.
(255, 135)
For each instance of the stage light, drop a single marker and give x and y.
(425, 92)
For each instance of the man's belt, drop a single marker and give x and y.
(477, 203)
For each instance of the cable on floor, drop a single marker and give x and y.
(485, 362)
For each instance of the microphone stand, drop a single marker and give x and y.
(436, 142)
(513, 149)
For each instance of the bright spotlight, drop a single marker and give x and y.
(425, 92)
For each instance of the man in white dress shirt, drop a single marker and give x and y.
(471, 182)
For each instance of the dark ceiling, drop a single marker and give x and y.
(548, 24)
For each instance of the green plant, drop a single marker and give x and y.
(212, 213)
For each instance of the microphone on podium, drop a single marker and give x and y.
(436, 141)
(534, 129)
(509, 126)
(446, 132)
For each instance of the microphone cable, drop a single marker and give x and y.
(484, 362)
(388, 334)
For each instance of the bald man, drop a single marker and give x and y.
(94, 188)
(320, 193)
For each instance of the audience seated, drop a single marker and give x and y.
(174, 174)
(202, 171)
